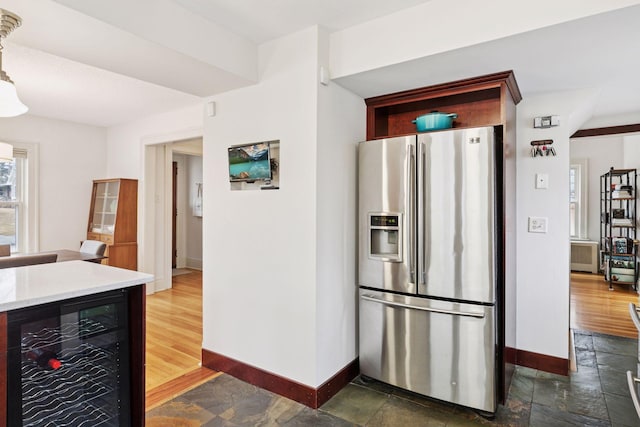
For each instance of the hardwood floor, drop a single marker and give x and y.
(174, 340)
(595, 308)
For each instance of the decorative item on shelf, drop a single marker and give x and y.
(542, 148)
(435, 120)
(621, 191)
(617, 213)
(621, 245)
(622, 222)
(10, 105)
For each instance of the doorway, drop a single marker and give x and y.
(593, 307)
(157, 210)
(186, 209)
(162, 201)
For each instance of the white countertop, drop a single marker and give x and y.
(38, 284)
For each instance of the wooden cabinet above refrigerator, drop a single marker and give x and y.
(480, 101)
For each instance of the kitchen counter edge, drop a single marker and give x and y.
(29, 286)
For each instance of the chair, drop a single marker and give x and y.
(5, 250)
(95, 247)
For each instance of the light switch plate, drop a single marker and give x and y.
(537, 224)
(542, 181)
(546, 121)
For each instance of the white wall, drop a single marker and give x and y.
(125, 143)
(543, 259)
(259, 304)
(631, 147)
(71, 156)
(341, 125)
(601, 153)
(264, 248)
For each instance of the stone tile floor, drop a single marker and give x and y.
(595, 395)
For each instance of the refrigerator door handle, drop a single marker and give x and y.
(421, 254)
(414, 307)
(411, 217)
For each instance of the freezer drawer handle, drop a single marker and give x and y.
(433, 310)
(631, 382)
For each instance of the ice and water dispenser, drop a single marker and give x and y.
(385, 236)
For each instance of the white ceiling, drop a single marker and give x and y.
(260, 20)
(601, 52)
(68, 64)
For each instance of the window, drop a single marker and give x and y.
(18, 216)
(578, 199)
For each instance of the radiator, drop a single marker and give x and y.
(584, 256)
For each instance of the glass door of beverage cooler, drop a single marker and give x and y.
(69, 363)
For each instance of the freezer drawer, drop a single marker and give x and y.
(436, 348)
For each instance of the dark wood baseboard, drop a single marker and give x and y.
(333, 385)
(316, 397)
(541, 362)
(309, 396)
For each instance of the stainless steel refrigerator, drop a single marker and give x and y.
(430, 263)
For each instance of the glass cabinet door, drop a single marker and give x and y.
(105, 206)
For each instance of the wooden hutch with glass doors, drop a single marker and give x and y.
(113, 219)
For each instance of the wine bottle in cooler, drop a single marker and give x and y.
(44, 358)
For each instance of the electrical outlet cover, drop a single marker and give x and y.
(537, 224)
(542, 181)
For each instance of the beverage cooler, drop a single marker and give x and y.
(70, 363)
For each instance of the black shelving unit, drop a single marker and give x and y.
(618, 222)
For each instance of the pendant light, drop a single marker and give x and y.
(10, 104)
